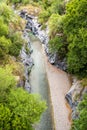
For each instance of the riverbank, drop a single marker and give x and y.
(59, 85)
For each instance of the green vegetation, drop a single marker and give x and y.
(67, 32)
(18, 109)
(16, 46)
(10, 41)
(81, 122)
(19, 1)
(49, 8)
(57, 45)
(75, 30)
(68, 38)
(67, 25)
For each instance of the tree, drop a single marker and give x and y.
(26, 109)
(19, 110)
(75, 29)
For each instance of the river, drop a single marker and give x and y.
(52, 84)
(39, 83)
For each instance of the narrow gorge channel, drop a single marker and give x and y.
(39, 83)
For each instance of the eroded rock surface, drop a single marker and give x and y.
(75, 95)
(35, 27)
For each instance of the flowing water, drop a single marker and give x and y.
(39, 83)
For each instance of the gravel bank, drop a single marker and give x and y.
(59, 85)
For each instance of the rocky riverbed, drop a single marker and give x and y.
(35, 27)
(73, 95)
(27, 61)
(58, 81)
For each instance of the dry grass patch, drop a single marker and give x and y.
(31, 9)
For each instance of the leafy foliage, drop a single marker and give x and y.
(43, 16)
(19, 1)
(5, 117)
(56, 44)
(4, 46)
(16, 46)
(18, 109)
(6, 12)
(7, 82)
(55, 24)
(3, 27)
(23, 117)
(75, 30)
(10, 41)
(81, 122)
(57, 6)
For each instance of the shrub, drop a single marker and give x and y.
(43, 16)
(55, 24)
(57, 44)
(24, 117)
(3, 27)
(17, 43)
(75, 25)
(7, 82)
(6, 12)
(5, 117)
(18, 109)
(4, 46)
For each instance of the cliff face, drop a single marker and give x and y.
(75, 95)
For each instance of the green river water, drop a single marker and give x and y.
(39, 83)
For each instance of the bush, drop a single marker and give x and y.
(58, 6)
(5, 117)
(55, 24)
(7, 82)
(18, 109)
(25, 1)
(57, 44)
(19, 1)
(6, 12)
(3, 27)
(75, 25)
(4, 46)
(43, 16)
(23, 117)
(17, 43)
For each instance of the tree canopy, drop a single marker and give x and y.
(18, 109)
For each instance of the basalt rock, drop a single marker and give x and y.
(27, 86)
(35, 27)
(27, 61)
